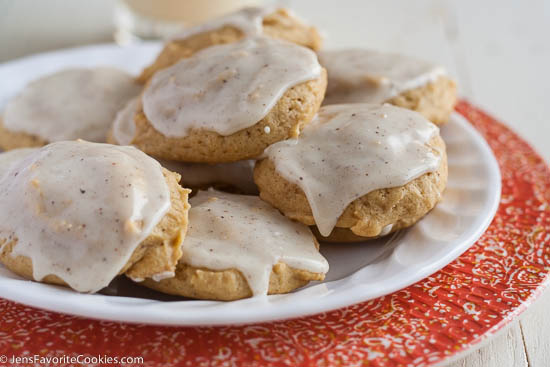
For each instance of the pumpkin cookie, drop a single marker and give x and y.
(237, 99)
(239, 246)
(66, 105)
(366, 76)
(278, 24)
(384, 169)
(77, 214)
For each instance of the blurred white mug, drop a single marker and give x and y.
(159, 19)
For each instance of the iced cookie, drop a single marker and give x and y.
(234, 176)
(78, 214)
(247, 22)
(357, 170)
(229, 102)
(367, 76)
(67, 105)
(238, 246)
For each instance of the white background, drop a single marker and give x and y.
(499, 51)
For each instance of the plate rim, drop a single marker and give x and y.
(352, 295)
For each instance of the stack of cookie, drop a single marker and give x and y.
(240, 109)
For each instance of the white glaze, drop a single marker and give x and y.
(241, 232)
(236, 174)
(387, 229)
(124, 127)
(350, 150)
(160, 276)
(79, 209)
(358, 75)
(9, 158)
(226, 88)
(71, 104)
(248, 20)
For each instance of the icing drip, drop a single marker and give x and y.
(241, 232)
(124, 127)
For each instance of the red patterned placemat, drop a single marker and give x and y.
(438, 317)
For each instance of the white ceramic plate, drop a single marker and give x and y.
(358, 272)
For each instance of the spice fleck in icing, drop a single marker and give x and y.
(71, 104)
(79, 210)
(358, 75)
(350, 150)
(228, 231)
(226, 88)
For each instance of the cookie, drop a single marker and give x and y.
(236, 177)
(67, 105)
(367, 76)
(384, 169)
(78, 214)
(238, 99)
(238, 246)
(247, 22)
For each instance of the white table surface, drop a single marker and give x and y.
(499, 51)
